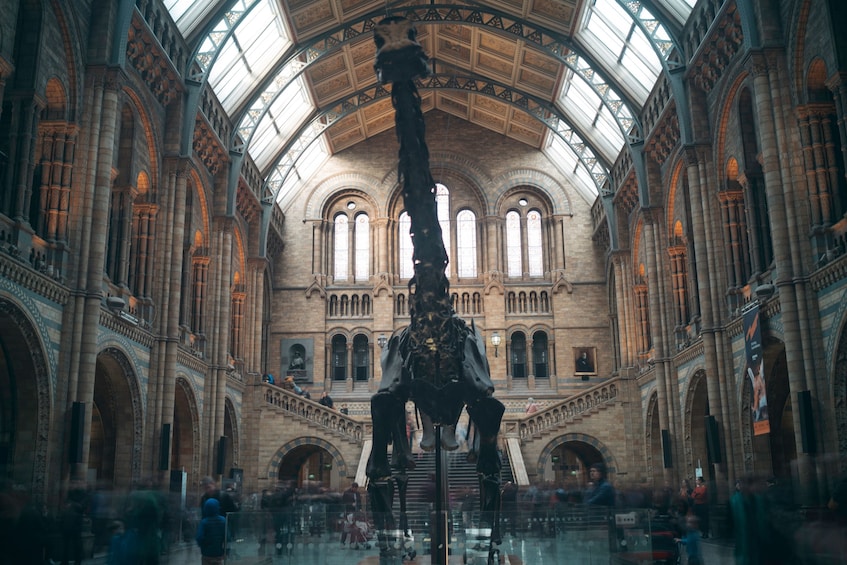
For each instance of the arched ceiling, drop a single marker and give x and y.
(568, 77)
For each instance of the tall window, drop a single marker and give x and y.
(363, 247)
(466, 244)
(514, 265)
(524, 239)
(352, 260)
(533, 243)
(339, 358)
(518, 355)
(361, 358)
(342, 247)
(539, 355)
(442, 205)
(407, 268)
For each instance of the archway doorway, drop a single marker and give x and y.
(184, 446)
(113, 423)
(774, 452)
(308, 466)
(24, 404)
(697, 454)
(655, 461)
(568, 463)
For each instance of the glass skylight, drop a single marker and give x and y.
(613, 37)
(250, 52)
(250, 36)
(283, 118)
(188, 14)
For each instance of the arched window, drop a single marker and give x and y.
(533, 243)
(539, 355)
(466, 244)
(442, 204)
(341, 248)
(518, 355)
(514, 265)
(524, 242)
(363, 248)
(407, 268)
(361, 358)
(339, 358)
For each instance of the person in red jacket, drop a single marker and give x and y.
(700, 506)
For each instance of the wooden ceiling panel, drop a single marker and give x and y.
(457, 32)
(456, 105)
(332, 89)
(372, 111)
(526, 135)
(326, 67)
(536, 83)
(524, 119)
(498, 46)
(350, 8)
(491, 105)
(559, 15)
(514, 6)
(345, 139)
(315, 16)
(453, 51)
(427, 101)
(539, 61)
(380, 124)
(491, 121)
(353, 121)
(502, 68)
(364, 75)
(362, 50)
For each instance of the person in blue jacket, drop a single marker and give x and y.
(211, 533)
(603, 493)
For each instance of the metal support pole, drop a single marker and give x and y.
(441, 537)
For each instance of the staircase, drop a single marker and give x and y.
(461, 478)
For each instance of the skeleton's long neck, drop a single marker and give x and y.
(433, 340)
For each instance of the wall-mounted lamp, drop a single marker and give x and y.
(495, 341)
(381, 341)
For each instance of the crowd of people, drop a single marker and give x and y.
(138, 526)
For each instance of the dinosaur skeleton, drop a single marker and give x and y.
(438, 361)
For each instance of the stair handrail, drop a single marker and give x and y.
(316, 413)
(569, 408)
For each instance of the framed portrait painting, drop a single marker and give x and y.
(585, 360)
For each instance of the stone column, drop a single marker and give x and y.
(102, 149)
(705, 240)
(764, 81)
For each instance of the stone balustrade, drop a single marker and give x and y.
(320, 415)
(555, 415)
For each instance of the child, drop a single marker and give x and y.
(691, 541)
(211, 533)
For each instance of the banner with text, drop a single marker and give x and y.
(755, 371)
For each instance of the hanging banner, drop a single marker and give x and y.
(755, 371)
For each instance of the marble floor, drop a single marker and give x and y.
(579, 548)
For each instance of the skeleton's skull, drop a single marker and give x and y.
(399, 56)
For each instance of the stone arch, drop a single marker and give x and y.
(323, 196)
(30, 408)
(694, 427)
(233, 447)
(191, 411)
(120, 394)
(547, 452)
(276, 458)
(653, 439)
(534, 179)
